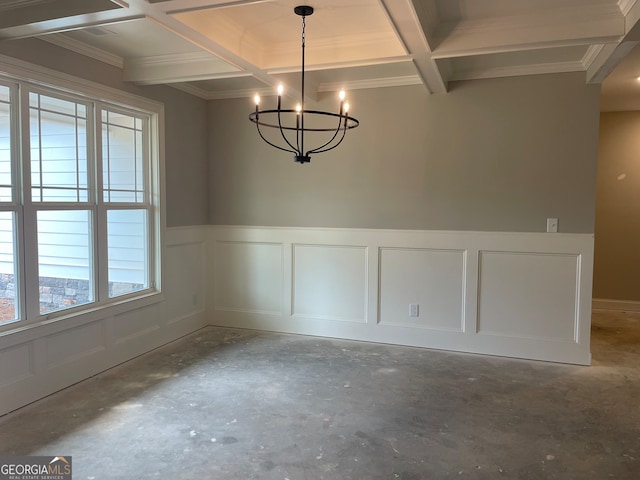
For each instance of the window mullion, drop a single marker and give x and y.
(28, 232)
(152, 219)
(101, 253)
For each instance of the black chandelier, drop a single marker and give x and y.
(318, 121)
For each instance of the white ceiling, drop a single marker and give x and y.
(224, 48)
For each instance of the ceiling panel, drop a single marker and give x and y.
(268, 34)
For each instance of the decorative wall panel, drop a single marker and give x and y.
(528, 295)
(431, 279)
(248, 277)
(330, 282)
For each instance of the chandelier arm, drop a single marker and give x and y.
(295, 150)
(335, 134)
(322, 149)
(272, 144)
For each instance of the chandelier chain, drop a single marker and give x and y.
(304, 28)
(300, 137)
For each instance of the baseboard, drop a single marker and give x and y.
(608, 304)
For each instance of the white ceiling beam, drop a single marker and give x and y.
(607, 57)
(405, 17)
(22, 12)
(66, 24)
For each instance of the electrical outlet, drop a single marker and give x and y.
(414, 310)
(552, 225)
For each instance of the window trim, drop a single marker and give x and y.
(16, 73)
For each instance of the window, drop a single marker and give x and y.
(78, 179)
(8, 210)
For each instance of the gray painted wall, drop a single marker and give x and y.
(617, 257)
(491, 155)
(185, 118)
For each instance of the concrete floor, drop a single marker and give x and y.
(232, 404)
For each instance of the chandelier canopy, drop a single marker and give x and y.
(293, 124)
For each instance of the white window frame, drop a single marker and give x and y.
(15, 205)
(22, 78)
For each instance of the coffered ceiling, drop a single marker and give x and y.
(223, 48)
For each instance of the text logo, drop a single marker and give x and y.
(35, 468)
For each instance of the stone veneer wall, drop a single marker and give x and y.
(60, 293)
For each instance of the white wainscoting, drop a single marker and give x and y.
(525, 295)
(40, 359)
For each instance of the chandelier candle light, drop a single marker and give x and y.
(282, 119)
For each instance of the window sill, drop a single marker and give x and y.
(59, 321)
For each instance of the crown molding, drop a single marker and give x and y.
(590, 56)
(62, 40)
(175, 59)
(191, 89)
(625, 6)
(244, 93)
(401, 81)
(520, 70)
(182, 67)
